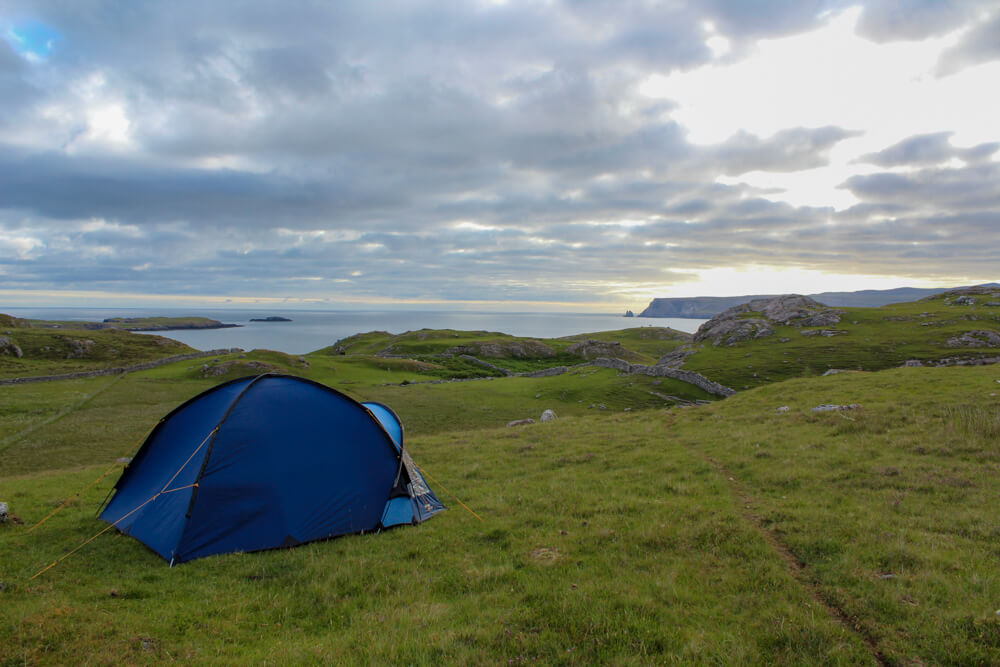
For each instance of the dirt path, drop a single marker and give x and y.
(795, 566)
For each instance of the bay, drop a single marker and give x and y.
(311, 330)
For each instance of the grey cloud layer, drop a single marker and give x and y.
(439, 150)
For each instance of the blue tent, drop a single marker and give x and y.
(264, 462)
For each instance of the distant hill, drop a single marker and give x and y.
(710, 306)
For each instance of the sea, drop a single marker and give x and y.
(312, 330)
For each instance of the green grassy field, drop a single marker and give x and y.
(871, 339)
(637, 533)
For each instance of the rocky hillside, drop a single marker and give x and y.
(710, 306)
(769, 340)
(757, 319)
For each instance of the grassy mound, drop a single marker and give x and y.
(865, 339)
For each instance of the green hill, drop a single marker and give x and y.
(929, 331)
(641, 527)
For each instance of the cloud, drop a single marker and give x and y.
(929, 149)
(893, 20)
(445, 150)
(979, 45)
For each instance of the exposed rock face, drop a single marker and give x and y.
(8, 346)
(731, 331)
(977, 338)
(549, 416)
(592, 349)
(522, 349)
(960, 296)
(676, 358)
(79, 348)
(732, 326)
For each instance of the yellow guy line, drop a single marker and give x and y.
(72, 498)
(89, 486)
(424, 472)
(115, 524)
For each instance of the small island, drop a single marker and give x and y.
(272, 318)
(155, 323)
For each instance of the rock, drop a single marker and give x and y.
(834, 371)
(8, 346)
(823, 319)
(964, 301)
(522, 349)
(4, 512)
(549, 416)
(79, 348)
(592, 349)
(629, 313)
(913, 363)
(831, 407)
(828, 333)
(732, 326)
(782, 409)
(676, 358)
(732, 331)
(617, 364)
(124, 459)
(521, 422)
(975, 338)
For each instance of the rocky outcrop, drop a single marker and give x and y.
(967, 296)
(629, 313)
(731, 331)
(676, 358)
(976, 338)
(79, 349)
(593, 349)
(9, 347)
(739, 323)
(521, 349)
(145, 366)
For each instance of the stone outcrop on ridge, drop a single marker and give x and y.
(733, 325)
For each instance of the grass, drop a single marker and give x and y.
(55, 351)
(872, 339)
(578, 560)
(731, 533)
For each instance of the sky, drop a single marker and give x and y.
(581, 155)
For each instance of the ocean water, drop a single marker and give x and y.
(311, 330)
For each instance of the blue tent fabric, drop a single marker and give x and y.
(265, 462)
